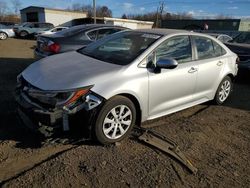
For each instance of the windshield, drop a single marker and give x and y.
(243, 38)
(121, 48)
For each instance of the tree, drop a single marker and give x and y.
(124, 16)
(101, 11)
(16, 6)
(3, 8)
(222, 17)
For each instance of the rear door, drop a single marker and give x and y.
(172, 88)
(210, 59)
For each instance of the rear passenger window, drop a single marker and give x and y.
(92, 35)
(104, 32)
(178, 48)
(204, 47)
(218, 50)
(207, 48)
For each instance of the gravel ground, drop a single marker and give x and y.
(215, 138)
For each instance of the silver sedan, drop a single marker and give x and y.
(125, 79)
(6, 31)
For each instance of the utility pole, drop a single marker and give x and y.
(157, 18)
(161, 10)
(94, 11)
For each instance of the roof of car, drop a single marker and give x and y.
(96, 26)
(163, 31)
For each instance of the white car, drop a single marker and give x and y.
(50, 31)
(6, 31)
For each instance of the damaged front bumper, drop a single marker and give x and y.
(37, 117)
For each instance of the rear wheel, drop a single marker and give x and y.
(23, 34)
(223, 90)
(3, 36)
(115, 120)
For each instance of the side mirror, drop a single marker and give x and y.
(166, 63)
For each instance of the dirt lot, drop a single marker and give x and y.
(215, 138)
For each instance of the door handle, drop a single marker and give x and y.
(220, 63)
(192, 70)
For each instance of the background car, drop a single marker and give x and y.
(30, 28)
(241, 46)
(73, 38)
(221, 37)
(125, 79)
(6, 31)
(50, 31)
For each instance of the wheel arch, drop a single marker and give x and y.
(137, 106)
(230, 75)
(4, 33)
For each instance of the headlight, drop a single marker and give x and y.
(59, 98)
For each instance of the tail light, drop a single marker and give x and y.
(53, 47)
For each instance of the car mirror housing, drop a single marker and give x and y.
(166, 63)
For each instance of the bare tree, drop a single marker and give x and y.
(222, 17)
(3, 9)
(124, 16)
(16, 6)
(101, 11)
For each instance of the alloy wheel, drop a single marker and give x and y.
(224, 90)
(117, 122)
(3, 36)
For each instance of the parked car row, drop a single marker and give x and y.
(28, 28)
(120, 80)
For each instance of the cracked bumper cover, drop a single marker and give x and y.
(35, 116)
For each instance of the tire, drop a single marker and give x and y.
(110, 126)
(23, 34)
(3, 36)
(223, 91)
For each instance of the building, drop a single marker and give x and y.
(132, 24)
(54, 16)
(212, 24)
(72, 18)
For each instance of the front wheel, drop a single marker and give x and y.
(3, 36)
(115, 120)
(24, 34)
(223, 90)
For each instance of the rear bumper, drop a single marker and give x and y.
(39, 55)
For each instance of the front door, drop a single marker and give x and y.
(171, 89)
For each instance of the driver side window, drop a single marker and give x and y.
(178, 48)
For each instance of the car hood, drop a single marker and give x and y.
(69, 70)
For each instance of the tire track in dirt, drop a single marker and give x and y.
(15, 167)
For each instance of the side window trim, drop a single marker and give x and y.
(145, 61)
(196, 51)
(86, 33)
(172, 37)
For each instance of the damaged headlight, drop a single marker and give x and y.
(57, 98)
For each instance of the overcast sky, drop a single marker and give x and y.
(198, 8)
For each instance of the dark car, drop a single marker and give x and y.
(73, 38)
(241, 46)
(30, 28)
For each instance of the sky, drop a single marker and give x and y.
(198, 8)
